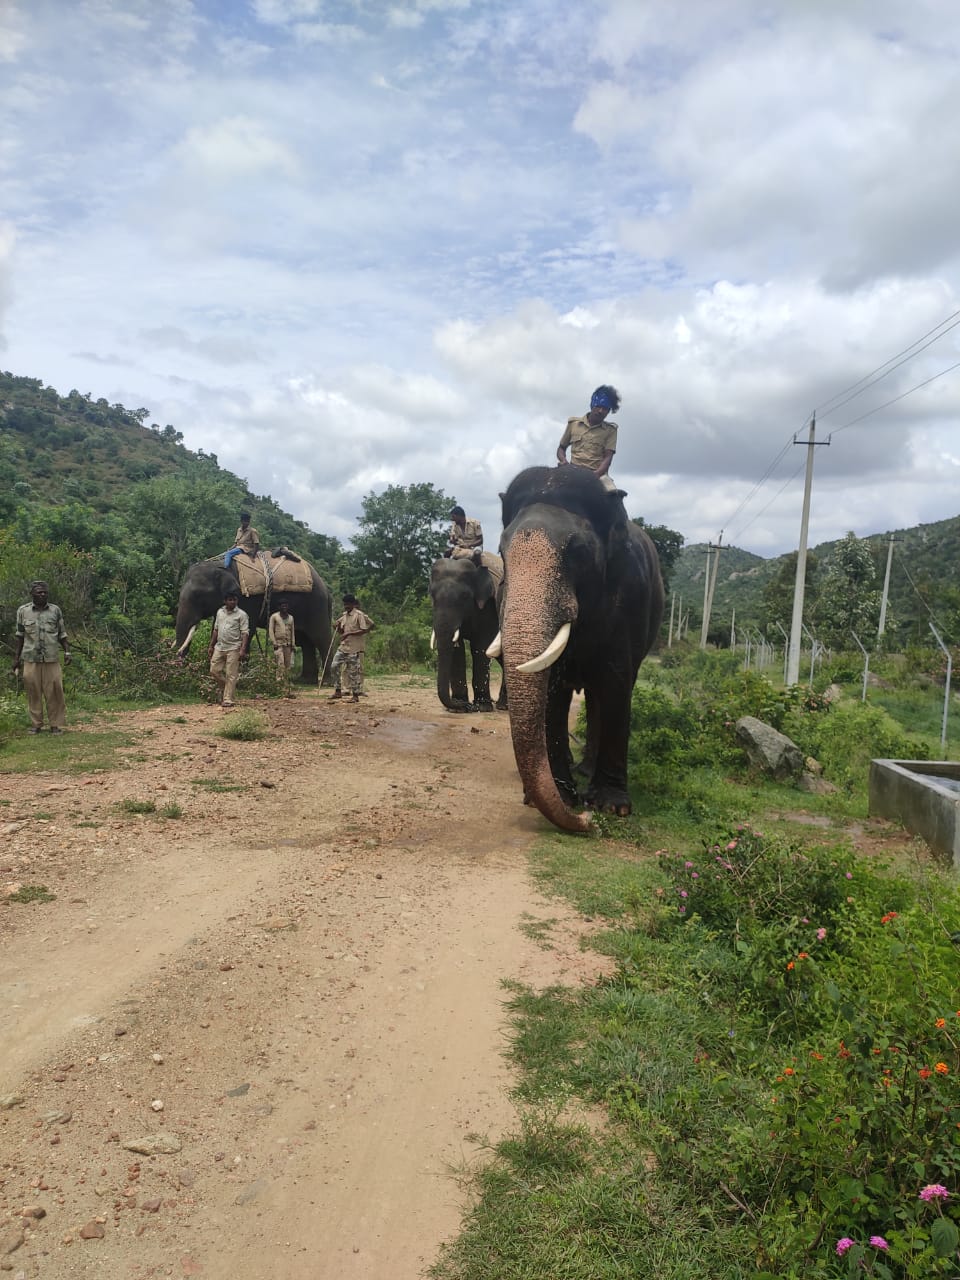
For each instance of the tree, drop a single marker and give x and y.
(778, 593)
(849, 599)
(397, 542)
(669, 544)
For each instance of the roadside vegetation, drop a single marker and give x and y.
(767, 1086)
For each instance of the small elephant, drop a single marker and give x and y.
(465, 612)
(581, 605)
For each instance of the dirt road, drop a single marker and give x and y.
(293, 989)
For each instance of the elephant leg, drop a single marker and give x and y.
(502, 699)
(310, 670)
(458, 675)
(558, 739)
(608, 736)
(481, 679)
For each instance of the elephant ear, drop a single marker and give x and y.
(484, 588)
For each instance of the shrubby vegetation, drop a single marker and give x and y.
(776, 1057)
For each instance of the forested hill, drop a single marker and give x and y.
(113, 508)
(924, 579)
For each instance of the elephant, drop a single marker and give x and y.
(580, 607)
(201, 595)
(465, 612)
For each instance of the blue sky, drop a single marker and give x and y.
(349, 244)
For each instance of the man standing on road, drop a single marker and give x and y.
(228, 646)
(593, 440)
(40, 628)
(282, 635)
(353, 627)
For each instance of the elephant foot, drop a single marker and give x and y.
(459, 708)
(483, 705)
(502, 705)
(612, 800)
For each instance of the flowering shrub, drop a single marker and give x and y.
(839, 985)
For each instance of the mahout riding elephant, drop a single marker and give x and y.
(201, 595)
(581, 605)
(465, 612)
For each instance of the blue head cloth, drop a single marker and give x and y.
(601, 400)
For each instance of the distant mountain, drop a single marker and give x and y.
(925, 577)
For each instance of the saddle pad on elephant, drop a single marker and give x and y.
(285, 575)
(494, 564)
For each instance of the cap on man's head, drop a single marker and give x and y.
(37, 584)
(231, 594)
(349, 598)
(457, 511)
(244, 515)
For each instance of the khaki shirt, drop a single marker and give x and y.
(231, 628)
(248, 539)
(589, 444)
(350, 624)
(42, 631)
(469, 537)
(281, 631)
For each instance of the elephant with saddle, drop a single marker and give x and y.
(260, 583)
(463, 592)
(580, 607)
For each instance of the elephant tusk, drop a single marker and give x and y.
(496, 647)
(433, 639)
(186, 644)
(456, 636)
(550, 654)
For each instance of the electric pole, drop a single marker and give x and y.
(796, 623)
(709, 587)
(886, 587)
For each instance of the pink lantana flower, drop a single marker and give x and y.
(821, 934)
(878, 1242)
(935, 1191)
(843, 1244)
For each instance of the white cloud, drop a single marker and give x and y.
(235, 147)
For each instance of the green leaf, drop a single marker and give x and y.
(945, 1237)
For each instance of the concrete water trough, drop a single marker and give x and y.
(923, 795)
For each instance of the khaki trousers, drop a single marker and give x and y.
(284, 656)
(225, 668)
(43, 682)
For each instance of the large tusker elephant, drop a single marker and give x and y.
(464, 612)
(581, 604)
(202, 595)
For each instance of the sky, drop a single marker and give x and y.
(344, 244)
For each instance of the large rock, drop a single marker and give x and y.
(769, 750)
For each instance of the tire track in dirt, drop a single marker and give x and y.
(318, 965)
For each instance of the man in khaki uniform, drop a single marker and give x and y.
(228, 646)
(592, 439)
(353, 627)
(40, 628)
(247, 538)
(465, 540)
(282, 635)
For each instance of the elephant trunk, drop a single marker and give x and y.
(451, 667)
(536, 608)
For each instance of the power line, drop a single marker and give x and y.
(788, 481)
(869, 379)
(886, 404)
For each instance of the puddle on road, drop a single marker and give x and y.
(407, 735)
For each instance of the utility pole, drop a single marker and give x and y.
(673, 604)
(796, 623)
(733, 628)
(886, 587)
(709, 587)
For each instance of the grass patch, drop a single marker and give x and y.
(75, 752)
(136, 806)
(32, 893)
(216, 784)
(172, 810)
(244, 726)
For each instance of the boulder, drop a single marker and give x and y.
(769, 750)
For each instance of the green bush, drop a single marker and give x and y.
(244, 726)
(848, 737)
